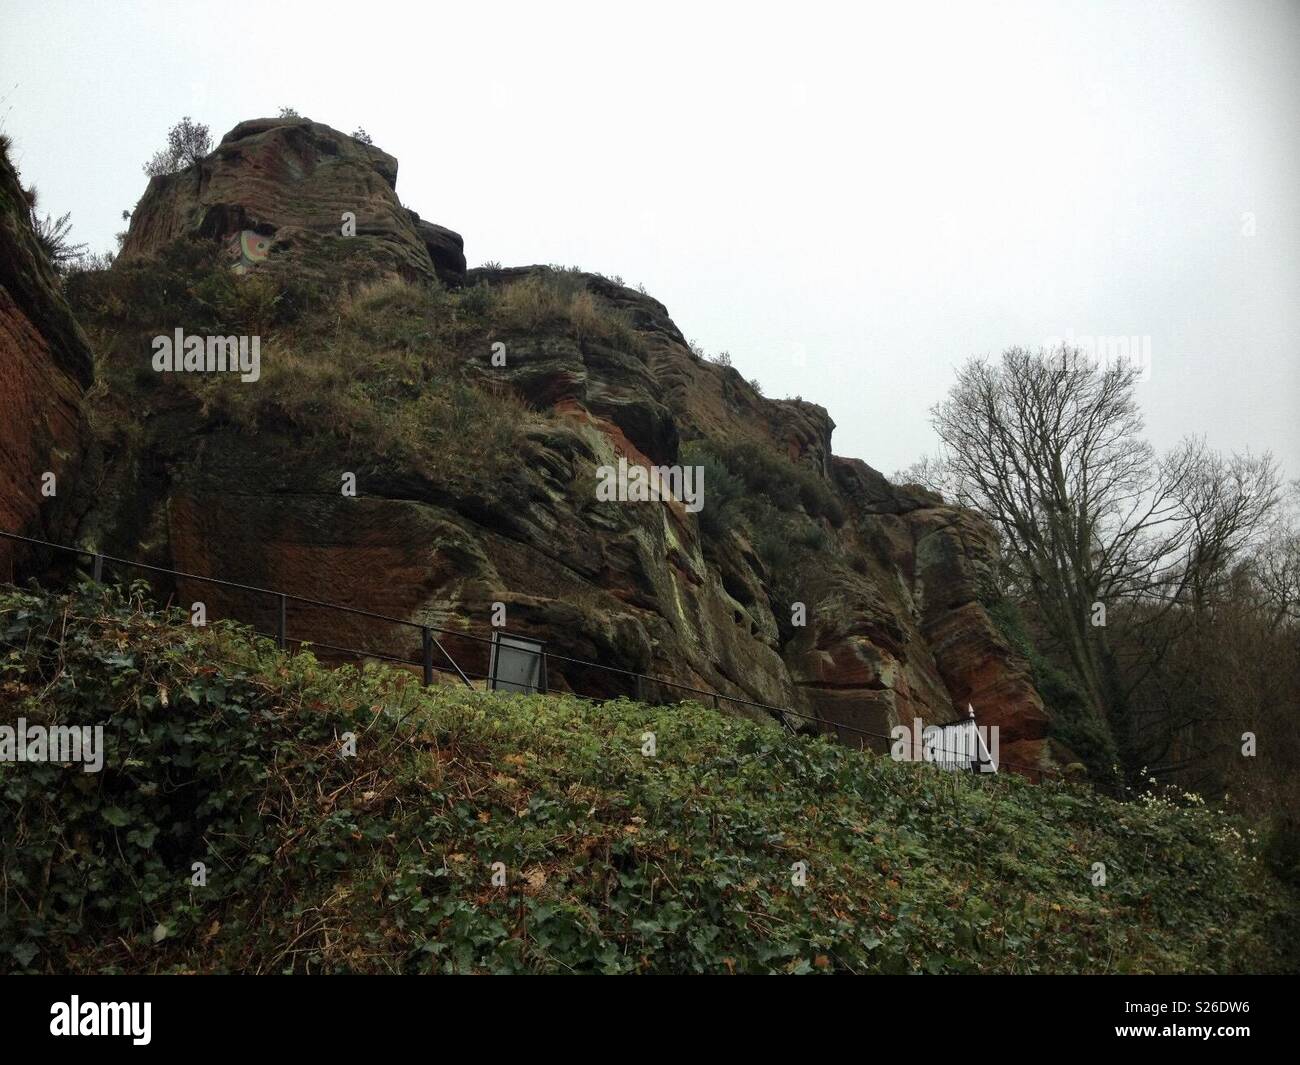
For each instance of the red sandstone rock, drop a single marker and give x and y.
(895, 627)
(45, 364)
(291, 178)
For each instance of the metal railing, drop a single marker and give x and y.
(429, 640)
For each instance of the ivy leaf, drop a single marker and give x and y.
(116, 816)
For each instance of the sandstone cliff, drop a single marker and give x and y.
(475, 481)
(45, 365)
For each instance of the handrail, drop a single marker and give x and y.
(427, 631)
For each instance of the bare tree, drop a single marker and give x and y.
(1234, 677)
(1227, 501)
(1276, 565)
(1049, 447)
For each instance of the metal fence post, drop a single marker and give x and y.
(280, 632)
(98, 572)
(428, 655)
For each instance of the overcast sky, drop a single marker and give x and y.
(851, 199)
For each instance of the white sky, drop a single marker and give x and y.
(851, 199)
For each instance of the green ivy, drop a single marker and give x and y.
(222, 750)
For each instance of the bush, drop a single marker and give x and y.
(187, 143)
(477, 300)
(248, 305)
(92, 262)
(154, 293)
(787, 485)
(772, 543)
(749, 483)
(812, 535)
(560, 296)
(723, 489)
(1282, 850)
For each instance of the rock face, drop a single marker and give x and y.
(45, 365)
(292, 179)
(445, 248)
(890, 578)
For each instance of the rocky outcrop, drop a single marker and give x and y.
(446, 249)
(45, 365)
(953, 552)
(885, 581)
(294, 180)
